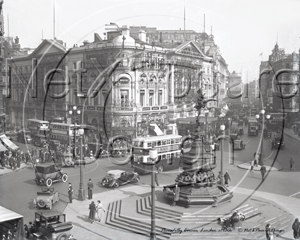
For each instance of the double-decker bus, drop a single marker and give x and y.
(39, 131)
(168, 148)
(276, 121)
(252, 126)
(64, 133)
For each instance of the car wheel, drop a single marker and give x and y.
(103, 183)
(41, 203)
(117, 184)
(64, 177)
(160, 168)
(49, 182)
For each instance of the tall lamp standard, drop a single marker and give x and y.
(206, 111)
(153, 160)
(261, 161)
(75, 113)
(222, 128)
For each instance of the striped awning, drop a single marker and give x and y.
(5, 140)
(2, 148)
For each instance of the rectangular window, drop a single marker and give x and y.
(163, 142)
(160, 97)
(142, 97)
(151, 97)
(124, 97)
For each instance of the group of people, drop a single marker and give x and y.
(95, 210)
(13, 158)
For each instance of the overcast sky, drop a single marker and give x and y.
(243, 29)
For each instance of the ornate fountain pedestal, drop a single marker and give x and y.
(198, 184)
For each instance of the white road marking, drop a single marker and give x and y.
(248, 141)
(294, 194)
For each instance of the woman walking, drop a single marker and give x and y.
(92, 211)
(99, 209)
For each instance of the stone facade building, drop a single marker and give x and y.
(121, 84)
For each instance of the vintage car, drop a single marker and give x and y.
(116, 178)
(46, 198)
(49, 225)
(236, 141)
(277, 143)
(47, 173)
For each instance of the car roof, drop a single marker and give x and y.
(115, 171)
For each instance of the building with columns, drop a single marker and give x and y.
(122, 84)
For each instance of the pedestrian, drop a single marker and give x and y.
(296, 228)
(70, 192)
(226, 178)
(252, 166)
(263, 171)
(292, 163)
(269, 234)
(92, 213)
(256, 161)
(99, 210)
(156, 179)
(90, 189)
(176, 195)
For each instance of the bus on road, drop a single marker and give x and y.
(39, 131)
(168, 148)
(252, 126)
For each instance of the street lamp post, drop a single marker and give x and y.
(261, 161)
(222, 128)
(206, 111)
(75, 113)
(153, 158)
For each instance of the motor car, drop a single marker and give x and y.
(47, 173)
(277, 143)
(49, 225)
(46, 197)
(116, 178)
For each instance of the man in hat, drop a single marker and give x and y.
(90, 189)
(70, 192)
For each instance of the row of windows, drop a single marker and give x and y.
(156, 143)
(168, 157)
(59, 127)
(59, 137)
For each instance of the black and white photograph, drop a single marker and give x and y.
(149, 119)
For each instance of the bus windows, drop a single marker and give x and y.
(172, 141)
(149, 144)
(141, 144)
(158, 143)
(154, 144)
(163, 142)
(168, 142)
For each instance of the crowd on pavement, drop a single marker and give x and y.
(12, 159)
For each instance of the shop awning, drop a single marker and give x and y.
(8, 143)
(2, 148)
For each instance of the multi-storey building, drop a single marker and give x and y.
(128, 81)
(281, 80)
